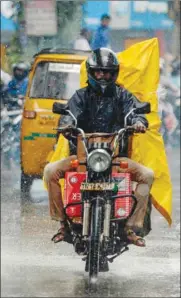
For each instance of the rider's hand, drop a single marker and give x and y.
(139, 126)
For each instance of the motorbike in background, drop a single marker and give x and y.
(169, 110)
(176, 134)
(11, 115)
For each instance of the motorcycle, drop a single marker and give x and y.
(170, 115)
(11, 115)
(176, 134)
(98, 200)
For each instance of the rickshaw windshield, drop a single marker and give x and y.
(54, 80)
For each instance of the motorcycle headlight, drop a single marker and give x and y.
(99, 160)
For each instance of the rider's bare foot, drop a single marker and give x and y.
(133, 238)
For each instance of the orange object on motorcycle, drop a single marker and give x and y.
(74, 163)
(124, 164)
(72, 194)
(74, 212)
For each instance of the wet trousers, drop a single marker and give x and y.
(142, 175)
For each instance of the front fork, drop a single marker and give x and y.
(86, 219)
(107, 217)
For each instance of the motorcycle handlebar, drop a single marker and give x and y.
(129, 129)
(68, 128)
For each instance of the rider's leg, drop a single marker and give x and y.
(144, 177)
(52, 173)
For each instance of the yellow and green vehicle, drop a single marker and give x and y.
(54, 76)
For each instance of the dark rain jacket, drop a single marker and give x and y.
(102, 113)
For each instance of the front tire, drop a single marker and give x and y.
(26, 183)
(94, 245)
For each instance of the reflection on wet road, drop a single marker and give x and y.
(33, 266)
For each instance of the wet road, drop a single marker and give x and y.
(32, 266)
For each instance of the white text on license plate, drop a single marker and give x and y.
(97, 186)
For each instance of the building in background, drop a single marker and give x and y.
(132, 21)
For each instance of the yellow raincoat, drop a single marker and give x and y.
(139, 73)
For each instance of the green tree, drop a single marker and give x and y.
(14, 49)
(69, 16)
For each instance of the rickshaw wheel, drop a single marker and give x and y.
(26, 183)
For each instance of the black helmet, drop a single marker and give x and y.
(105, 60)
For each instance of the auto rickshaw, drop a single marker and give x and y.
(54, 76)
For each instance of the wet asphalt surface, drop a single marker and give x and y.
(33, 266)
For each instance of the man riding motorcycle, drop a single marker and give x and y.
(166, 93)
(101, 107)
(18, 85)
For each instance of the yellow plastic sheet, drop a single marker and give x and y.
(139, 73)
(61, 151)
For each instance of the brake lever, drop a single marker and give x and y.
(131, 129)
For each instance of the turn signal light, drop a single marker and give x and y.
(124, 164)
(29, 114)
(74, 163)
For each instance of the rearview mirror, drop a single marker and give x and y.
(59, 108)
(143, 108)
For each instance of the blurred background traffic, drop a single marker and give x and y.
(30, 26)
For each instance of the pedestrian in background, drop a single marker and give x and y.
(82, 42)
(175, 72)
(101, 36)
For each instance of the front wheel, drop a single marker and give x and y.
(94, 245)
(26, 183)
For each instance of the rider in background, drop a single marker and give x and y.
(82, 41)
(175, 73)
(166, 82)
(167, 92)
(18, 85)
